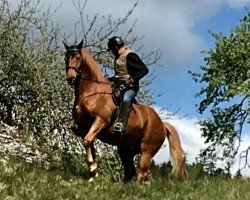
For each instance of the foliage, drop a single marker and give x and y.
(27, 181)
(226, 94)
(32, 87)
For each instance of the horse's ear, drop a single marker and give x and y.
(66, 46)
(80, 45)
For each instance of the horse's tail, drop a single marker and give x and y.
(176, 151)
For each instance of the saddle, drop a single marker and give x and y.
(117, 99)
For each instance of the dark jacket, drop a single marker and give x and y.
(136, 69)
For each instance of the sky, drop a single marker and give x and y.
(179, 28)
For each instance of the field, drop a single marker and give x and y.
(20, 180)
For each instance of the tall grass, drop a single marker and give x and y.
(20, 180)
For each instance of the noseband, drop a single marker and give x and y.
(72, 52)
(78, 71)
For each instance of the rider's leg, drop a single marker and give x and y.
(128, 96)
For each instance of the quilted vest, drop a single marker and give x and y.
(120, 64)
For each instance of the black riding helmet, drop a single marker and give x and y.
(115, 41)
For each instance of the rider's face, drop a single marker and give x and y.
(114, 51)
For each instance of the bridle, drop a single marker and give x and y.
(78, 71)
(72, 52)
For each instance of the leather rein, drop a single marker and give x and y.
(78, 76)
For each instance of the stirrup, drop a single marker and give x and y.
(118, 127)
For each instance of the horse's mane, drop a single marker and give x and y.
(93, 66)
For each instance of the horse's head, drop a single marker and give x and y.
(73, 61)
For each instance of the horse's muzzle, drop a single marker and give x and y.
(71, 80)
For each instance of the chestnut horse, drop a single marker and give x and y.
(93, 110)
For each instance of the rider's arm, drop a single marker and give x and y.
(136, 68)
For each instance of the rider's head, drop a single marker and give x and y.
(114, 44)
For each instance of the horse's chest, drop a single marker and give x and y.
(81, 116)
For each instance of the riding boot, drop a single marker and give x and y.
(121, 124)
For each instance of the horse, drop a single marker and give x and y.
(93, 110)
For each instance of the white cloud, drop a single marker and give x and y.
(167, 25)
(240, 163)
(170, 31)
(190, 135)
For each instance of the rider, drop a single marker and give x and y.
(129, 69)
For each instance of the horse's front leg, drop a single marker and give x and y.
(90, 156)
(96, 128)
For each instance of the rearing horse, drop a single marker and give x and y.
(93, 110)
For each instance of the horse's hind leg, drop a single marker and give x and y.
(148, 150)
(145, 162)
(127, 158)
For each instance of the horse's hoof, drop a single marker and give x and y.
(92, 178)
(144, 183)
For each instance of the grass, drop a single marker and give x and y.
(27, 181)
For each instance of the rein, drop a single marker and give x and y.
(79, 76)
(78, 72)
(96, 93)
(94, 81)
(84, 79)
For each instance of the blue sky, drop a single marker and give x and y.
(180, 29)
(178, 88)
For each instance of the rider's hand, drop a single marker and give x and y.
(122, 87)
(129, 82)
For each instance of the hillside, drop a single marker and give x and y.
(25, 174)
(19, 180)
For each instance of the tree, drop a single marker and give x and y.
(30, 69)
(225, 92)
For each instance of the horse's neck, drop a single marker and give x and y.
(92, 81)
(91, 69)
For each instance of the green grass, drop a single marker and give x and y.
(26, 181)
